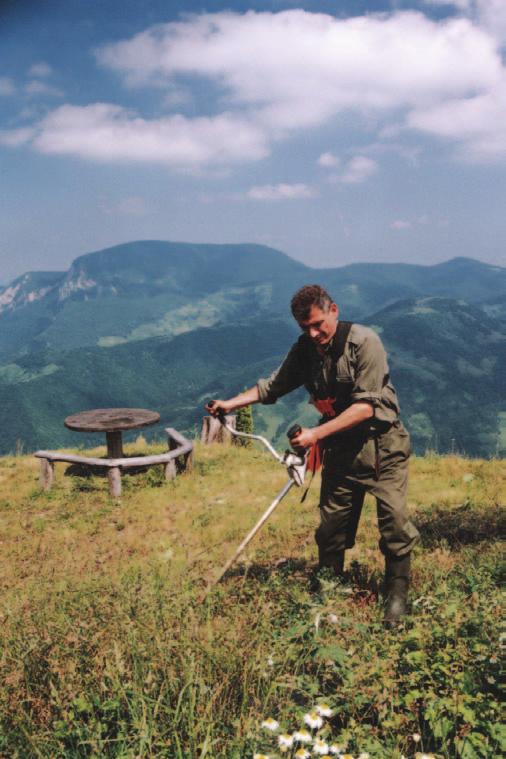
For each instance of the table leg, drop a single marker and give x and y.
(114, 475)
(114, 445)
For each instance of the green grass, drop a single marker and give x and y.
(106, 649)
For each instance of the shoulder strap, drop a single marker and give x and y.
(342, 332)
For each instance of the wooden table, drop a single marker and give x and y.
(112, 421)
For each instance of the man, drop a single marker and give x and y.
(364, 445)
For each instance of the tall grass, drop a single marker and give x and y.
(107, 650)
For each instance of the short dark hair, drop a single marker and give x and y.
(306, 297)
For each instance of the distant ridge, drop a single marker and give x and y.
(152, 287)
(166, 325)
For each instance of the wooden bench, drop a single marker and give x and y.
(179, 458)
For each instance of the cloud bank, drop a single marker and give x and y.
(280, 73)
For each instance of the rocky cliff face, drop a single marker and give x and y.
(29, 288)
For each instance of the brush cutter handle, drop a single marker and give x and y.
(223, 419)
(220, 414)
(292, 432)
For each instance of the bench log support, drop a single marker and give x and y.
(46, 474)
(178, 459)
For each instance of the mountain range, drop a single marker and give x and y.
(166, 325)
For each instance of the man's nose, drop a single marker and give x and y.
(314, 332)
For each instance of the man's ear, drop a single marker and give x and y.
(334, 309)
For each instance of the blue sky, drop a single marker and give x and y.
(334, 131)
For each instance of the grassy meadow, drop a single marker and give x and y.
(107, 650)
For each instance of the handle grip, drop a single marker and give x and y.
(220, 414)
(294, 430)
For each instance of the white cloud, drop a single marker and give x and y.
(359, 169)
(281, 192)
(461, 5)
(400, 224)
(105, 132)
(281, 72)
(491, 15)
(328, 160)
(299, 69)
(478, 124)
(6, 86)
(130, 206)
(35, 87)
(40, 70)
(13, 138)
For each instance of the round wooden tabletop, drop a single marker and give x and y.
(111, 419)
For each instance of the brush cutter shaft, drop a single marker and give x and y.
(265, 516)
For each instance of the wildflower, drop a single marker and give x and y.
(324, 710)
(320, 747)
(285, 741)
(270, 661)
(260, 756)
(336, 750)
(302, 736)
(302, 754)
(416, 737)
(363, 755)
(333, 619)
(313, 720)
(423, 756)
(347, 756)
(270, 724)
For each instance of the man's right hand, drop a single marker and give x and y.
(217, 407)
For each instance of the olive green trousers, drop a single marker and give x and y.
(352, 467)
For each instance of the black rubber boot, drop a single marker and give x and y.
(334, 566)
(336, 563)
(397, 573)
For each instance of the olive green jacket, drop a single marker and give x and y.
(360, 374)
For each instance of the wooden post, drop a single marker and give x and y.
(46, 473)
(188, 462)
(114, 476)
(114, 445)
(170, 469)
(214, 432)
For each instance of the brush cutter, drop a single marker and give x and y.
(295, 463)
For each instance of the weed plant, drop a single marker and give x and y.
(107, 649)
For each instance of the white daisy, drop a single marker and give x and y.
(336, 750)
(363, 755)
(416, 737)
(285, 740)
(324, 710)
(270, 724)
(333, 619)
(320, 747)
(313, 720)
(301, 753)
(302, 736)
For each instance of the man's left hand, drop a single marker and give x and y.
(305, 439)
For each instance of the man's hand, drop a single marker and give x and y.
(305, 438)
(218, 406)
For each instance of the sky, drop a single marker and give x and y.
(337, 132)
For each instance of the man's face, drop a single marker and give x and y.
(321, 325)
